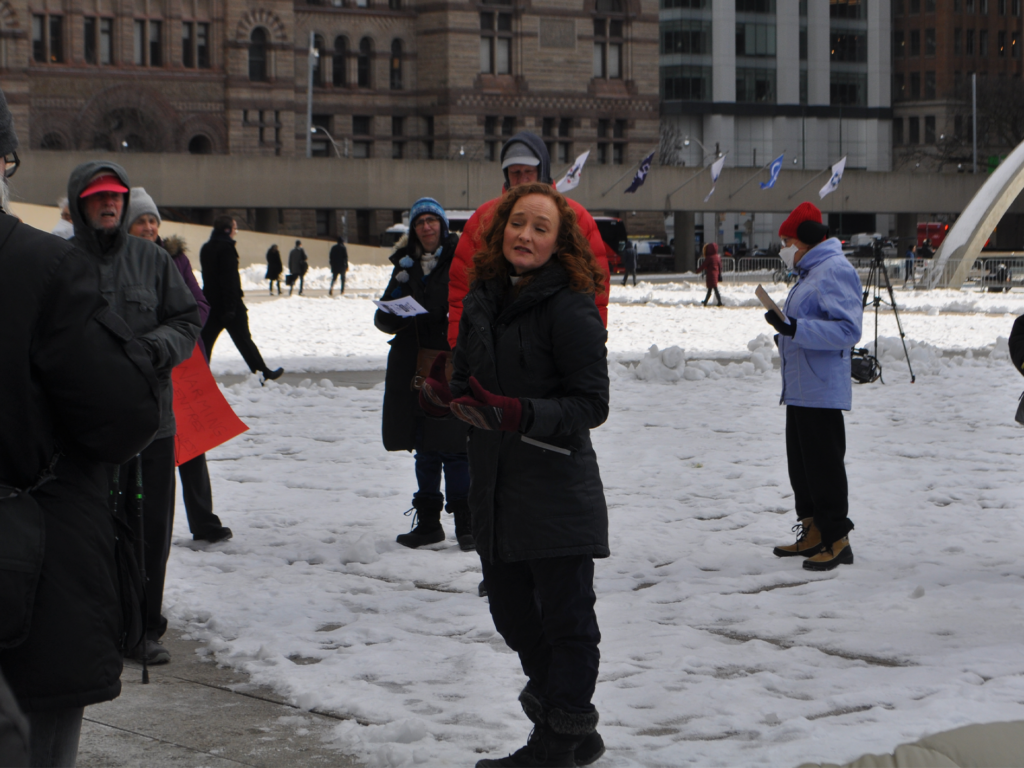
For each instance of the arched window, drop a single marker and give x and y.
(340, 62)
(396, 65)
(258, 55)
(52, 141)
(363, 63)
(318, 62)
(200, 145)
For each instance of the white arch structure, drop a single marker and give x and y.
(967, 236)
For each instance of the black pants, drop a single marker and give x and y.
(197, 494)
(272, 287)
(816, 446)
(157, 521)
(238, 329)
(629, 272)
(717, 296)
(341, 282)
(300, 279)
(544, 609)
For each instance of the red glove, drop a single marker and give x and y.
(488, 411)
(435, 395)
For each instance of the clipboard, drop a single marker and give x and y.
(770, 305)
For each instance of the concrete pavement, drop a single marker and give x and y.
(195, 714)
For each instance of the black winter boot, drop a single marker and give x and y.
(588, 751)
(426, 524)
(544, 749)
(463, 524)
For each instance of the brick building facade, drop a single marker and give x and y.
(393, 78)
(937, 46)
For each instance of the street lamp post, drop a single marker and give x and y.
(319, 129)
(314, 54)
(974, 117)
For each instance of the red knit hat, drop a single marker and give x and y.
(803, 212)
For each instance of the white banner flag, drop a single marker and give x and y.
(716, 171)
(571, 180)
(837, 176)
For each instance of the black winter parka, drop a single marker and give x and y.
(402, 414)
(536, 494)
(75, 379)
(222, 285)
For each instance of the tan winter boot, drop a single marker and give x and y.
(840, 553)
(808, 541)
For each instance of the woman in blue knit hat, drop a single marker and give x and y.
(422, 260)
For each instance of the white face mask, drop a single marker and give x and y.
(788, 256)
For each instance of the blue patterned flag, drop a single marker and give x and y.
(774, 168)
(641, 173)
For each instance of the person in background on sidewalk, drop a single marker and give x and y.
(712, 269)
(824, 310)
(339, 266)
(223, 289)
(64, 228)
(908, 267)
(298, 264)
(196, 491)
(274, 268)
(79, 392)
(147, 291)
(422, 260)
(530, 330)
(629, 262)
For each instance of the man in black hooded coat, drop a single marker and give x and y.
(78, 390)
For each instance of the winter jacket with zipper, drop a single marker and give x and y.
(473, 232)
(222, 286)
(827, 302)
(143, 286)
(538, 493)
(402, 414)
(75, 379)
(298, 263)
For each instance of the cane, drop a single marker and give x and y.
(141, 545)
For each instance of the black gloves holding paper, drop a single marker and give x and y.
(776, 322)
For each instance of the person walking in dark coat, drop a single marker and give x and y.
(531, 377)
(298, 265)
(222, 287)
(79, 391)
(421, 271)
(339, 265)
(196, 490)
(629, 262)
(712, 269)
(144, 288)
(274, 268)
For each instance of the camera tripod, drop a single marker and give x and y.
(878, 277)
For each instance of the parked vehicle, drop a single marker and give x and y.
(932, 232)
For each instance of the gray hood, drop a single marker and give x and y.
(540, 149)
(85, 234)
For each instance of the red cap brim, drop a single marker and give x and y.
(104, 184)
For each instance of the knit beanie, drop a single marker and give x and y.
(139, 203)
(8, 138)
(431, 206)
(804, 224)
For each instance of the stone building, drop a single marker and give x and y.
(937, 46)
(391, 78)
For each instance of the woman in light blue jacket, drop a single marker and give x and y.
(824, 309)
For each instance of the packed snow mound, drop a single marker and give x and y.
(670, 365)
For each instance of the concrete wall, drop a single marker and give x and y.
(252, 246)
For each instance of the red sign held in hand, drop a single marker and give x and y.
(204, 418)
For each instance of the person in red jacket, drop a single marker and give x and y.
(524, 160)
(712, 269)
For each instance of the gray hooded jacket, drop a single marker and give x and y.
(141, 283)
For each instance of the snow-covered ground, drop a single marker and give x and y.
(714, 652)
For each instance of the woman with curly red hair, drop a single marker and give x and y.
(531, 377)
